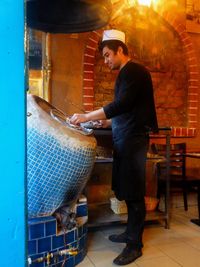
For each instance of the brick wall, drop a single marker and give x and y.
(176, 87)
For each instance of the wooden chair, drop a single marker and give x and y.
(177, 174)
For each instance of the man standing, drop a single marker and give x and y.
(132, 116)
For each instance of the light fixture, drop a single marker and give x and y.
(144, 2)
(132, 3)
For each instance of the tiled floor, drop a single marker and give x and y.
(174, 247)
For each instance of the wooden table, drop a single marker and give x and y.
(196, 183)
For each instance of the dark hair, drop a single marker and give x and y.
(113, 45)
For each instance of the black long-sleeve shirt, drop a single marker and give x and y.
(133, 109)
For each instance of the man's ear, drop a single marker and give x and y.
(120, 50)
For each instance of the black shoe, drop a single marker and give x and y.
(121, 238)
(127, 256)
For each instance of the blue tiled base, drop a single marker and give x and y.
(44, 242)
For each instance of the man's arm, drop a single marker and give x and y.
(98, 114)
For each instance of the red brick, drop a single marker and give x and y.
(192, 118)
(192, 131)
(189, 50)
(95, 35)
(180, 28)
(88, 107)
(193, 104)
(192, 60)
(88, 59)
(89, 51)
(88, 83)
(193, 125)
(192, 68)
(88, 100)
(183, 35)
(194, 76)
(187, 41)
(193, 83)
(192, 112)
(88, 67)
(88, 92)
(89, 75)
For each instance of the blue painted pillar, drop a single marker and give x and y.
(12, 135)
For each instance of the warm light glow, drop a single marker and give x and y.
(144, 2)
(131, 2)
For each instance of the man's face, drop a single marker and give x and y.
(111, 58)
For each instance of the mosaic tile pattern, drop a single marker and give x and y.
(59, 162)
(43, 239)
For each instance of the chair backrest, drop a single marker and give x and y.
(177, 158)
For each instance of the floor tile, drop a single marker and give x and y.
(178, 246)
(158, 262)
(150, 252)
(104, 258)
(182, 253)
(97, 240)
(86, 263)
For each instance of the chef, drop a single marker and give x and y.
(132, 116)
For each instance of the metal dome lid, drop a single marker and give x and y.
(67, 16)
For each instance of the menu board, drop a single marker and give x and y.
(35, 50)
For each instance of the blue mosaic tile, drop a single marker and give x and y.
(70, 237)
(85, 229)
(44, 245)
(84, 252)
(64, 257)
(70, 262)
(82, 210)
(46, 227)
(36, 231)
(37, 264)
(50, 228)
(59, 264)
(57, 241)
(82, 242)
(79, 257)
(40, 264)
(40, 220)
(80, 231)
(53, 260)
(32, 247)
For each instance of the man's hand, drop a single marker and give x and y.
(78, 118)
(90, 116)
(105, 123)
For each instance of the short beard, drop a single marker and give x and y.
(115, 68)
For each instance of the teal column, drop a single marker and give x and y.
(12, 135)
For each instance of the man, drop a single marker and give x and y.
(132, 116)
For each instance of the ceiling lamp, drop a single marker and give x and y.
(144, 2)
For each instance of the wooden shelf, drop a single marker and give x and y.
(101, 215)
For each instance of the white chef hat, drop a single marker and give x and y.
(113, 35)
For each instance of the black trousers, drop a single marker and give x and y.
(135, 223)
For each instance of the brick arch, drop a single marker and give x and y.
(193, 74)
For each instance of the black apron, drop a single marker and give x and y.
(129, 162)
